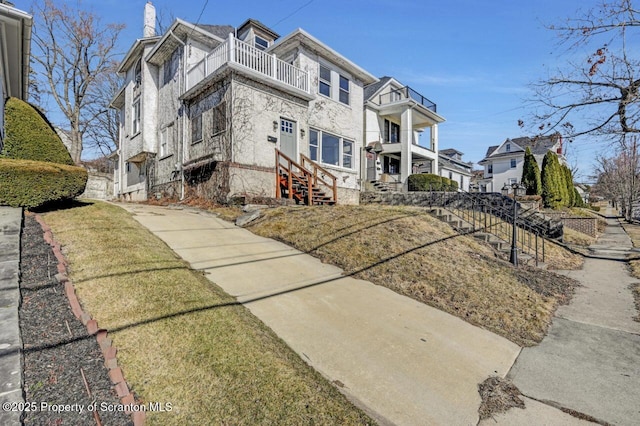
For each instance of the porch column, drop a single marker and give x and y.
(406, 138)
(434, 147)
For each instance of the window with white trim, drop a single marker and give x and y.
(344, 90)
(196, 129)
(513, 163)
(260, 43)
(508, 147)
(331, 149)
(324, 84)
(135, 117)
(489, 168)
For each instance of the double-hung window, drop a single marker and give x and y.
(334, 85)
(219, 118)
(135, 118)
(324, 86)
(391, 131)
(331, 149)
(344, 90)
(260, 43)
(513, 163)
(196, 129)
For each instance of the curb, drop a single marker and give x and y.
(109, 351)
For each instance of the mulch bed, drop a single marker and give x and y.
(63, 364)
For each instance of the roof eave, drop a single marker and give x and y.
(301, 36)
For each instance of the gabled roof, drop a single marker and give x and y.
(371, 89)
(221, 31)
(177, 34)
(262, 27)
(539, 145)
(135, 52)
(302, 37)
(459, 166)
(450, 152)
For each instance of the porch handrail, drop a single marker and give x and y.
(304, 160)
(302, 175)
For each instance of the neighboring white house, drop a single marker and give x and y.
(15, 49)
(452, 167)
(503, 163)
(401, 132)
(204, 108)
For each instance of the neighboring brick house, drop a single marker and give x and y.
(204, 108)
(503, 163)
(401, 133)
(452, 167)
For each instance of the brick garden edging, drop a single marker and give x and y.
(104, 341)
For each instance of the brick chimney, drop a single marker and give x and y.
(149, 20)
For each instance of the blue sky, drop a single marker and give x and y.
(474, 59)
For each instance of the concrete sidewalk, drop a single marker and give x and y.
(400, 360)
(10, 344)
(590, 360)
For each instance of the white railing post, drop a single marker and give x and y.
(274, 65)
(232, 48)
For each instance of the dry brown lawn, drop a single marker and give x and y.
(181, 339)
(412, 253)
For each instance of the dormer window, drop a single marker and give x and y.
(261, 43)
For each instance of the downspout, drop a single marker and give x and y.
(26, 49)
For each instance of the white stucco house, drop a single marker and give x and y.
(205, 108)
(15, 50)
(503, 163)
(401, 133)
(451, 166)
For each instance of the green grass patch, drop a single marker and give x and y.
(181, 339)
(410, 252)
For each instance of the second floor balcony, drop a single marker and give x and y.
(246, 57)
(404, 94)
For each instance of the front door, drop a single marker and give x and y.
(288, 144)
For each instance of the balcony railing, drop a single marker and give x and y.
(238, 52)
(406, 93)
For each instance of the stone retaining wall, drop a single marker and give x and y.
(586, 225)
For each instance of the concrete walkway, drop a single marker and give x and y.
(590, 360)
(400, 360)
(10, 344)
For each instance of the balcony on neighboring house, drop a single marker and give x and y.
(403, 94)
(242, 56)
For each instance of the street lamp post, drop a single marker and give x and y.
(517, 190)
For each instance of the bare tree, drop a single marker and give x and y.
(74, 51)
(617, 177)
(102, 135)
(596, 91)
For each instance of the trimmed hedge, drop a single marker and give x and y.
(431, 182)
(30, 136)
(30, 184)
